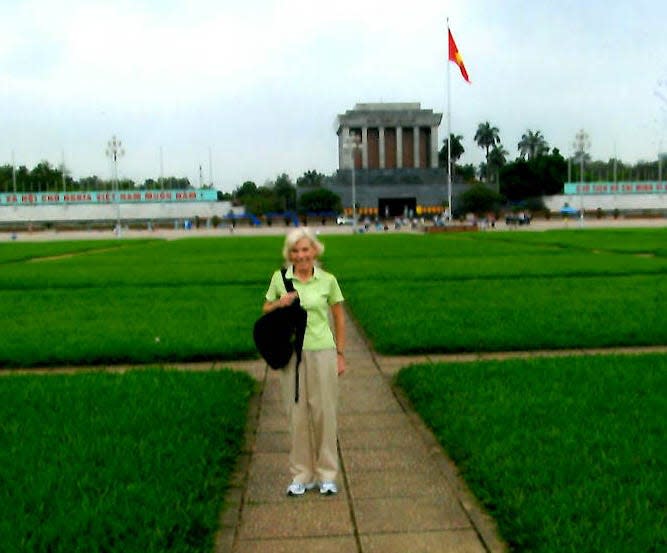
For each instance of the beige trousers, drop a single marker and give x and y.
(312, 421)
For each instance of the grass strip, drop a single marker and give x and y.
(568, 454)
(127, 463)
(511, 314)
(123, 325)
(631, 240)
(11, 252)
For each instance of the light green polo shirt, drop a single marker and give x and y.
(316, 295)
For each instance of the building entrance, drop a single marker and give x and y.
(396, 207)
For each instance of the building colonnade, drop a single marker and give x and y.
(391, 136)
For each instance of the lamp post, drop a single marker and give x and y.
(581, 146)
(114, 151)
(352, 143)
(13, 172)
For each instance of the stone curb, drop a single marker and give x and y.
(234, 499)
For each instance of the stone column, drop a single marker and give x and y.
(381, 147)
(415, 144)
(434, 147)
(399, 147)
(343, 153)
(364, 149)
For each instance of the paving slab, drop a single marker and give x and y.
(346, 544)
(272, 442)
(396, 484)
(359, 401)
(296, 519)
(452, 541)
(374, 421)
(409, 514)
(275, 423)
(384, 438)
(404, 459)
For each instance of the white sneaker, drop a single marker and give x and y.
(328, 488)
(297, 488)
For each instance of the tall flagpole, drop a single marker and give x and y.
(449, 135)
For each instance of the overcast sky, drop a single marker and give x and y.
(259, 83)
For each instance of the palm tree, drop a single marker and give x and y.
(496, 159)
(456, 151)
(486, 137)
(498, 156)
(532, 144)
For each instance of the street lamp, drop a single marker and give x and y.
(114, 151)
(581, 146)
(352, 143)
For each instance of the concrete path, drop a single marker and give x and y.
(398, 491)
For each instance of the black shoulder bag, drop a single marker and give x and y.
(279, 333)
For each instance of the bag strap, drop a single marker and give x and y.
(289, 286)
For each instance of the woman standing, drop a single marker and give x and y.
(313, 461)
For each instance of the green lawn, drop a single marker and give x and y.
(155, 301)
(505, 291)
(568, 454)
(132, 463)
(128, 324)
(198, 298)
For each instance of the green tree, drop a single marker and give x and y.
(126, 184)
(496, 160)
(319, 200)
(6, 179)
(457, 150)
(467, 173)
(248, 188)
(45, 178)
(285, 193)
(518, 180)
(92, 183)
(551, 171)
(262, 202)
(543, 175)
(497, 157)
(175, 183)
(532, 145)
(310, 179)
(487, 137)
(479, 200)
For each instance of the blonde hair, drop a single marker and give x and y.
(296, 234)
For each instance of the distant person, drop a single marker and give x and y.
(313, 458)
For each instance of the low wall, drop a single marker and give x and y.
(26, 214)
(608, 202)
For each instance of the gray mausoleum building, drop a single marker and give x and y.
(396, 164)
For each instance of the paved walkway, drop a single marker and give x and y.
(398, 491)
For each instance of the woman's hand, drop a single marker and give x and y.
(287, 299)
(340, 360)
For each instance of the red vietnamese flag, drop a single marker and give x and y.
(455, 56)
